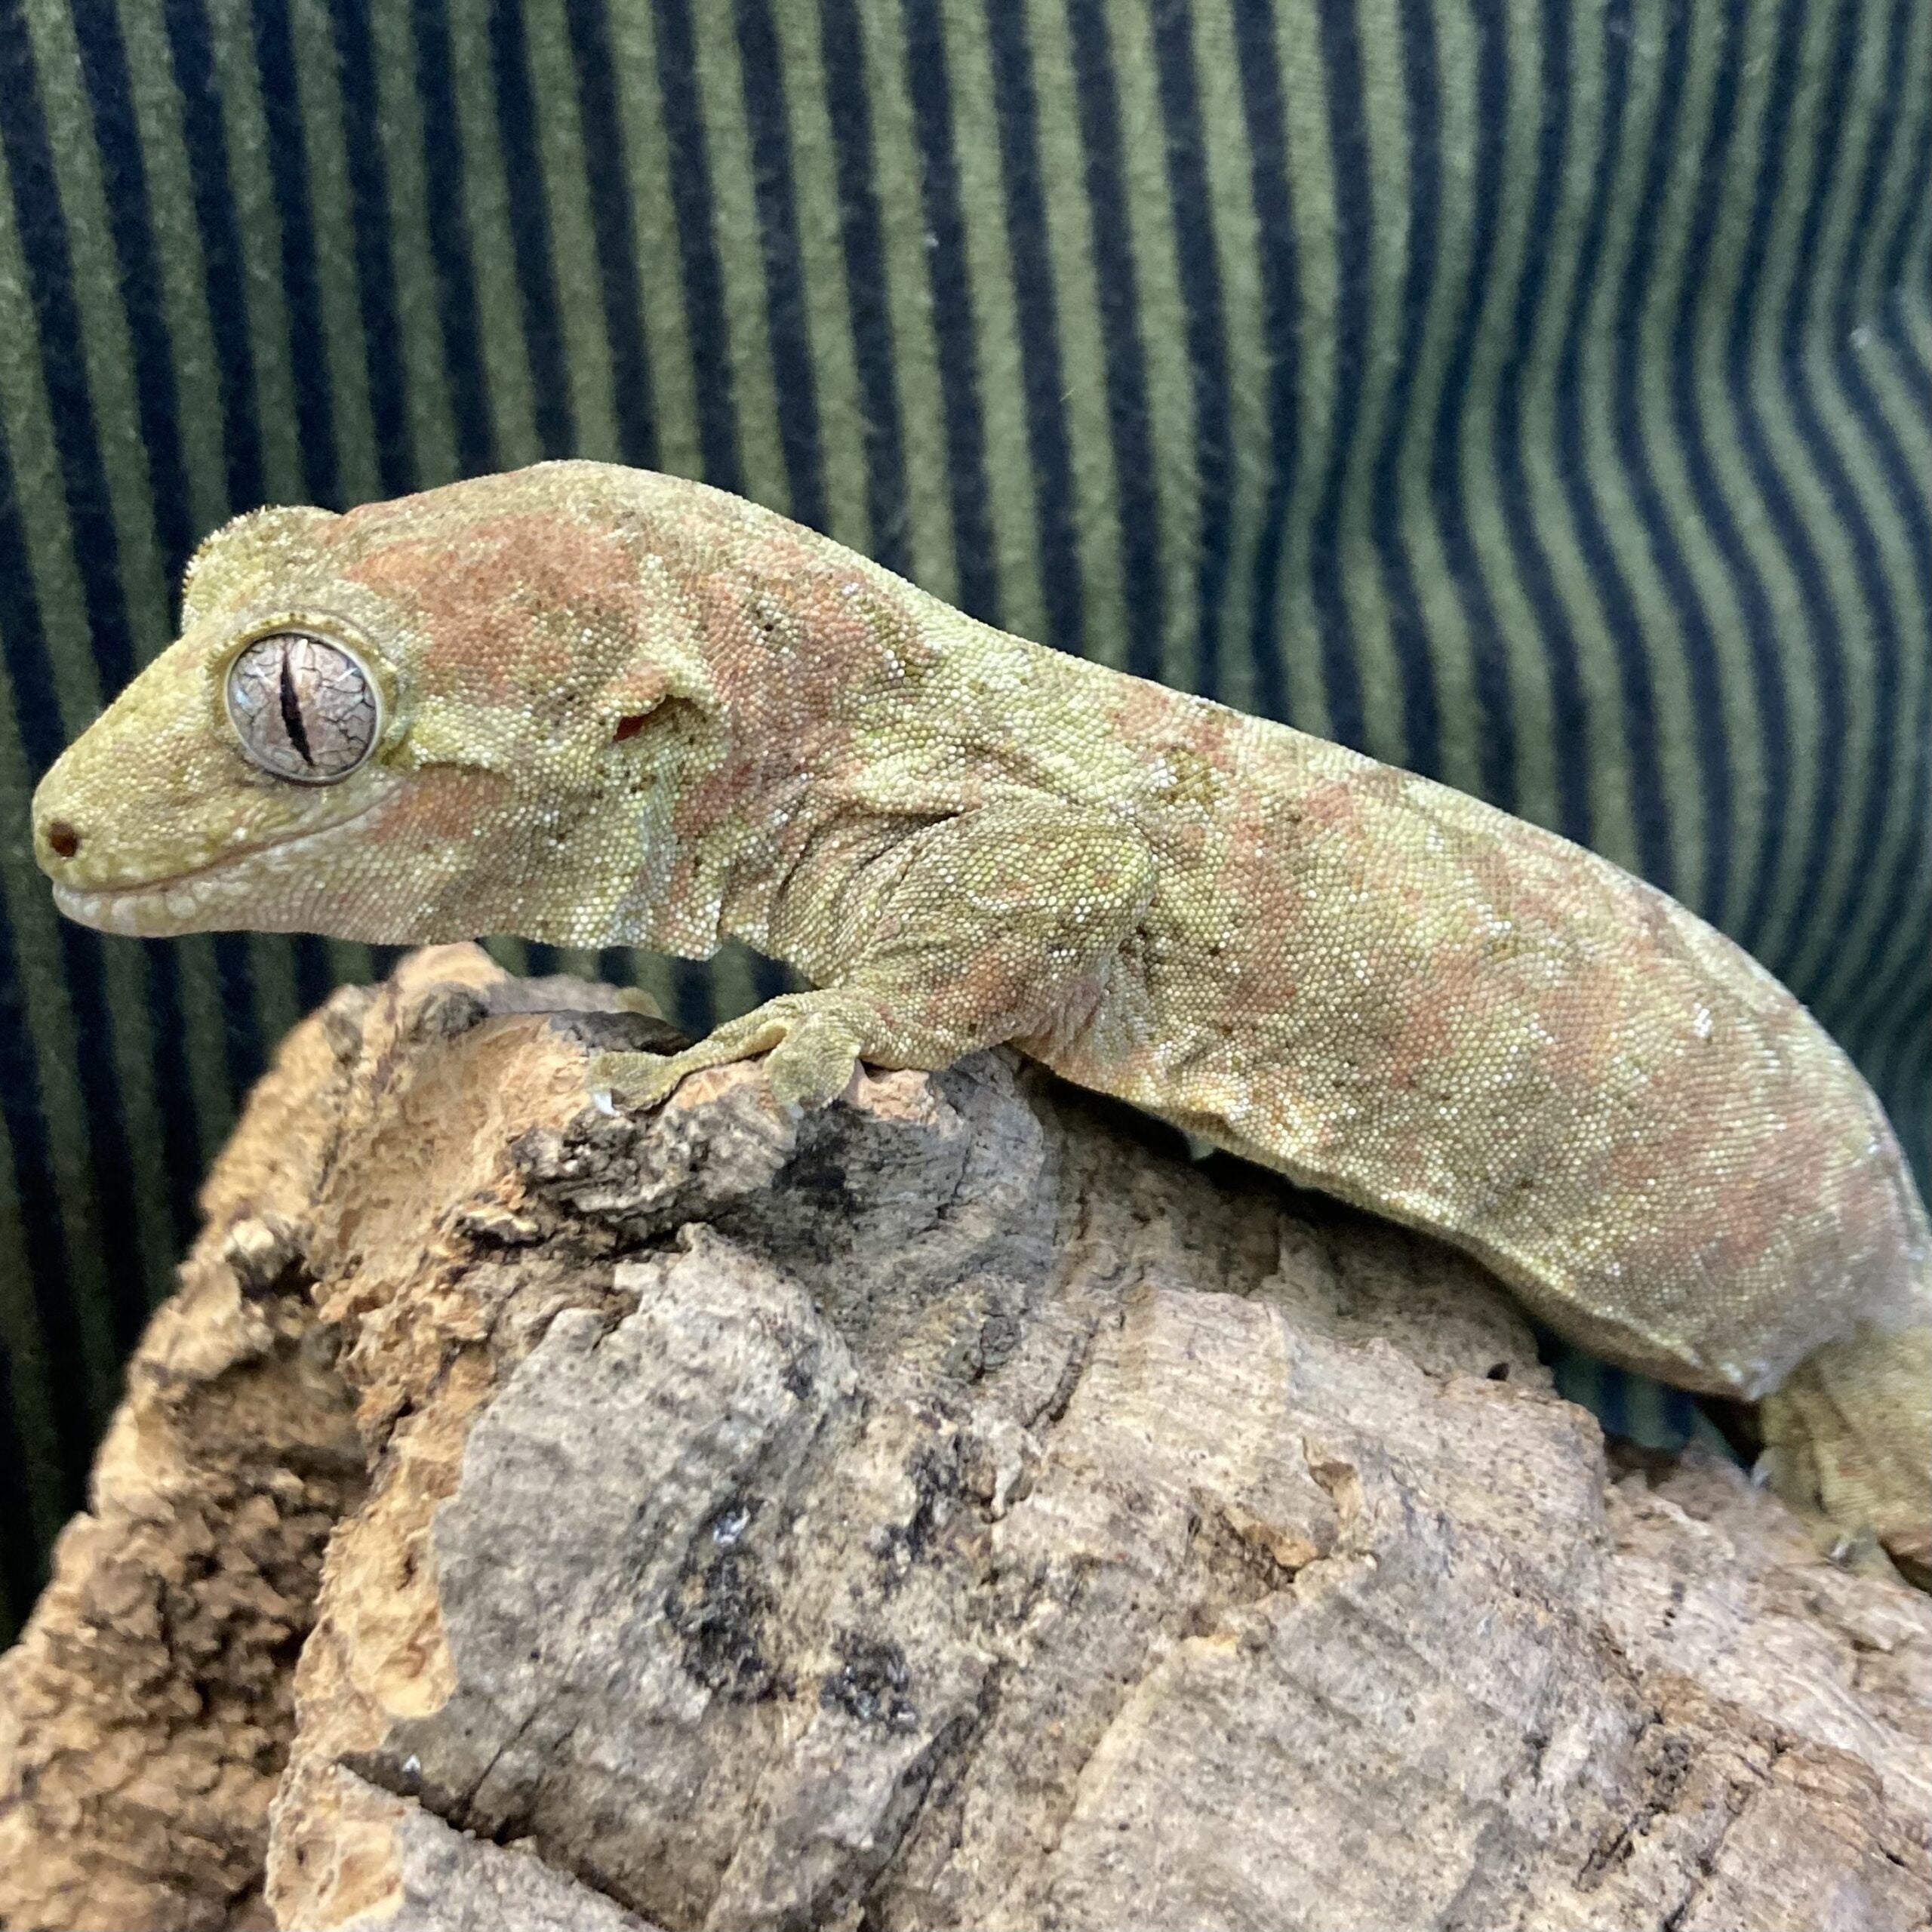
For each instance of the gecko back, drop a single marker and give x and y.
(1394, 992)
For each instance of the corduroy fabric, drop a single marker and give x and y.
(1536, 393)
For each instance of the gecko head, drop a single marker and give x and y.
(470, 711)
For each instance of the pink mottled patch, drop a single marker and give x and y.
(509, 606)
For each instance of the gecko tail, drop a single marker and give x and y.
(1848, 1437)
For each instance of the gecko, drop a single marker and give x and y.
(600, 706)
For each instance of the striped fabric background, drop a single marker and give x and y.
(1535, 393)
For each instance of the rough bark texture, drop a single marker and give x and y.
(952, 1508)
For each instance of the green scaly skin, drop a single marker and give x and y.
(616, 708)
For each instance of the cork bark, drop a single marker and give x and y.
(954, 1507)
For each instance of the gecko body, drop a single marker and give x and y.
(599, 706)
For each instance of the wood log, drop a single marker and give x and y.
(954, 1508)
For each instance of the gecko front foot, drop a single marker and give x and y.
(813, 1040)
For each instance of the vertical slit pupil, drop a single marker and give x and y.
(291, 712)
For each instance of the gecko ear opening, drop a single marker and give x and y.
(621, 725)
(644, 686)
(666, 663)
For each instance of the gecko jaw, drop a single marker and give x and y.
(161, 909)
(118, 912)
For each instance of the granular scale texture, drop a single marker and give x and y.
(620, 707)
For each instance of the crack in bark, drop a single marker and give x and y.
(939, 1768)
(1057, 1404)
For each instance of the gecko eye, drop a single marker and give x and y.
(303, 707)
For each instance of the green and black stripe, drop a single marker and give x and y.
(1536, 394)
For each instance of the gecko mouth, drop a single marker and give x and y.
(155, 909)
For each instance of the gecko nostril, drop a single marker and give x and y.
(64, 839)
